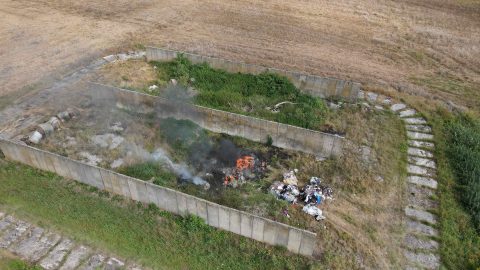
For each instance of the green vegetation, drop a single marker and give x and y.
(149, 236)
(246, 93)
(455, 151)
(150, 171)
(15, 264)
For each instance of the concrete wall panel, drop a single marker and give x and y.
(294, 240)
(213, 215)
(246, 224)
(192, 206)
(269, 232)
(258, 228)
(151, 192)
(182, 204)
(235, 221)
(281, 235)
(202, 209)
(224, 218)
(308, 244)
(93, 177)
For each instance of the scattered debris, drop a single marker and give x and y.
(90, 159)
(116, 163)
(71, 141)
(314, 211)
(124, 56)
(35, 137)
(173, 82)
(152, 87)
(117, 126)
(290, 178)
(109, 140)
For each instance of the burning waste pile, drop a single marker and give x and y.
(248, 167)
(311, 196)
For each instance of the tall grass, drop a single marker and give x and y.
(464, 154)
(247, 93)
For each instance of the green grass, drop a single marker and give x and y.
(145, 234)
(246, 93)
(460, 241)
(15, 264)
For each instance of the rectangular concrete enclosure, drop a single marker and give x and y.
(261, 229)
(312, 84)
(255, 129)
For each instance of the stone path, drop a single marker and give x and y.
(420, 246)
(50, 250)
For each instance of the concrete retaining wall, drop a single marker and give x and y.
(314, 85)
(242, 223)
(255, 129)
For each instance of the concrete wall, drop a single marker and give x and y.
(239, 222)
(255, 129)
(314, 85)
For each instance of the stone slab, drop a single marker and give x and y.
(420, 215)
(420, 228)
(397, 107)
(93, 263)
(415, 121)
(258, 225)
(419, 128)
(75, 257)
(413, 169)
(6, 222)
(424, 162)
(56, 256)
(43, 246)
(114, 264)
(25, 248)
(412, 151)
(423, 181)
(372, 97)
(246, 226)
(407, 113)
(426, 260)
(14, 234)
(416, 243)
(419, 136)
(421, 144)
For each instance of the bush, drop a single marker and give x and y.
(463, 151)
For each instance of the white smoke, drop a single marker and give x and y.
(180, 170)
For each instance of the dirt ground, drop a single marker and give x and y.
(390, 42)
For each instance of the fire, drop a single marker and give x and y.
(245, 162)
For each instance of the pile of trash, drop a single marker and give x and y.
(311, 196)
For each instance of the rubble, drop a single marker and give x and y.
(152, 87)
(117, 126)
(290, 178)
(313, 211)
(109, 140)
(90, 159)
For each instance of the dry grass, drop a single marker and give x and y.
(127, 74)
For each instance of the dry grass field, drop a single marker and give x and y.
(427, 47)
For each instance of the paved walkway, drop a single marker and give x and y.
(420, 248)
(50, 250)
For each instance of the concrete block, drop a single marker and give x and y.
(93, 176)
(423, 181)
(421, 144)
(294, 240)
(269, 232)
(420, 215)
(308, 244)
(202, 209)
(224, 218)
(27, 156)
(235, 221)
(246, 225)
(182, 204)
(281, 237)
(419, 152)
(213, 215)
(258, 225)
(119, 183)
(49, 161)
(38, 161)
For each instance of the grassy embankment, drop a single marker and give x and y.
(131, 230)
(246, 93)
